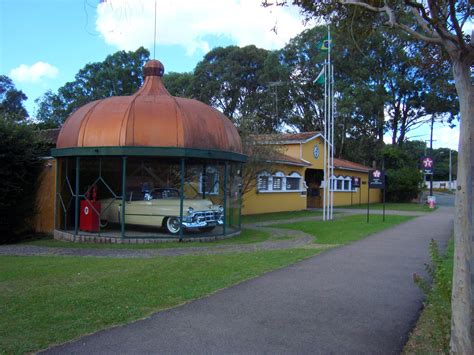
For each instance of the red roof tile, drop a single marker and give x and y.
(285, 137)
(349, 165)
(285, 159)
(50, 135)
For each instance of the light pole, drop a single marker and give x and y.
(450, 169)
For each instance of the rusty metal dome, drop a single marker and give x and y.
(149, 118)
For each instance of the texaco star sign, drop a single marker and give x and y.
(427, 163)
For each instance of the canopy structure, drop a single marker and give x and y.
(146, 164)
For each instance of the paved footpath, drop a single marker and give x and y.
(359, 298)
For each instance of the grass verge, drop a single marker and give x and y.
(275, 216)
(345, 229)
(49, 300)
(247, 236)
(431, 334)
(415, 207)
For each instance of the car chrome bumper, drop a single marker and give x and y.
(202, 219)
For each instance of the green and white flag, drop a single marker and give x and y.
(320, 78)
(324, 45)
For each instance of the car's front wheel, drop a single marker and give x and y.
(172, 225)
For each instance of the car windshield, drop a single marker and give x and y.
(165, 194)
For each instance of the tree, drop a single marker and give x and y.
(404, 179)
(20, 152)
(179, 84)
(260, 158)
(378, 74)
(234, 81)
(434, 23)
(441, 159)
(11, 101)
(119, 74)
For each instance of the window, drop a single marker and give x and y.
(278, 182)
(210, 181)
(278, 178)
(347, 184)
(341, 183)
(263, 181)
(293, 182)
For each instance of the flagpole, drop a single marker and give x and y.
(332, 135)
(330, 126)
(326, 185)
(328, 142)
(328, 152)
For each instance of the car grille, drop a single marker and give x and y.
(205, 216)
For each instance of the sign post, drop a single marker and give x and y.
(355, 183)
(376, 181)
(427, 165)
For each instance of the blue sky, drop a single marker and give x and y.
(44, 43)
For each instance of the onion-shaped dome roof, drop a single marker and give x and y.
(149, 118)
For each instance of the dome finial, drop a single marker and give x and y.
(153, 68)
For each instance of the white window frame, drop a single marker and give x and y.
(295, 175)
(283, 177)
(342, 180)
(269, 181)
(279, 176)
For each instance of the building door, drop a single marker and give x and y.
(313, 179)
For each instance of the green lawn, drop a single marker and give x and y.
(247, 236)
(49, 300)
(393, 206)
(275, 216)
(345, 229)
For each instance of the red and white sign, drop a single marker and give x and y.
(427, 165)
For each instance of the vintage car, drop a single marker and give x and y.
(161, 208)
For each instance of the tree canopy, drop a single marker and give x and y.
(11, 101)
(119, 74)
(20, 150)
(236, 81)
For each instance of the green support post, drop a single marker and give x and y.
(181, 201)
(124, 192)
(76, 219)
(203, 181)
(240, 197)
(56, 187)
(226, 166)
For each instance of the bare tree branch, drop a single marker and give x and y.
(455, 22)
(392, 22)
(422, 19)
(438, 22)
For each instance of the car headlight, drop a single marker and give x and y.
(190, 210)
(220, 209)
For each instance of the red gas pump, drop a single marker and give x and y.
(89, 220)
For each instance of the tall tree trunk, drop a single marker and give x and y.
(461, 294)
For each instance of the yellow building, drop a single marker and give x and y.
(296, 178)
(294, 181)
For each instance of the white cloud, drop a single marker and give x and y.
(446, 137)
(33, 73)
(129, 24)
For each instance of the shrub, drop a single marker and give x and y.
(403, 185)
(432, 333)
(403, 176)
(20, 151)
